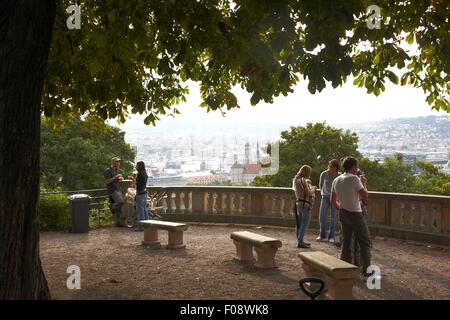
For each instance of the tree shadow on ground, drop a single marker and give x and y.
(272, 274)
(163, 251)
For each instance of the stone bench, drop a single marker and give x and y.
(151, 228)
(265, 248)
(338, 275)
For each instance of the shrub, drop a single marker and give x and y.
(53, 212)
(101, 218)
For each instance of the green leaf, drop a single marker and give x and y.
(410, 38)
(255, 99)
(392, 76)
(404, 79)
(377, 58)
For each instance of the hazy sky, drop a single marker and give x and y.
(346, 104)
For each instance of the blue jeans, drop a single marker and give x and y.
(141, 207)
(325, 203)
(303, 219)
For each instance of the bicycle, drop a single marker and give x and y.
(131, 220)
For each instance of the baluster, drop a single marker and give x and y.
(228, 204)
(248, 204)
(182, 204)
(164, 204)
(173, 205)
(240, 203)
(267, 207)
(422, 224)
(214, 202)
(232, 204)
(190, 202)
(221, 203)
(412, 214)
(206, 196)
(273, 203)
(402, 213)
(283, 206)
(245, 204)
(436, 224)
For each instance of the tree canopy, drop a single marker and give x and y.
(431, 181)
(314, 145)
(75, 156)
(395, 175)
(135, 55)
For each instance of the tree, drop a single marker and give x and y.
(431, 181)
(74, 156)
(25, 33)
(393, 175)
(314, 145)
(134, 56)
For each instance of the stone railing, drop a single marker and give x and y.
(403, 216)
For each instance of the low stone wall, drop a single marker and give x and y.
(403, 216)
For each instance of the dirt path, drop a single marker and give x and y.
(114, 265)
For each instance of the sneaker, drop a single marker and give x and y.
(303, 246)
(320, 239)
(338, 244)
(331, 240)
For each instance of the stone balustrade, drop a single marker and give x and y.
(404, 216)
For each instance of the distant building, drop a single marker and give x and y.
(251, 170)
(237, 173)
(172, 164)
(243, 174)
(247, 153)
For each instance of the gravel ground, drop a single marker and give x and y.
(114, 265)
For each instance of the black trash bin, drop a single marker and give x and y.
(79, 210)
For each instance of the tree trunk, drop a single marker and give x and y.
(25, 33)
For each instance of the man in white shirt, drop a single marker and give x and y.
(347, 190)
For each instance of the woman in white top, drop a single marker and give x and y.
(305, 194)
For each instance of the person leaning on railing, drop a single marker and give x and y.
(141, 193)
(112, 178)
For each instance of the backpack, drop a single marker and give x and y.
(307, 201)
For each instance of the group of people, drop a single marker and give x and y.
(345, 194)
(112, 178)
